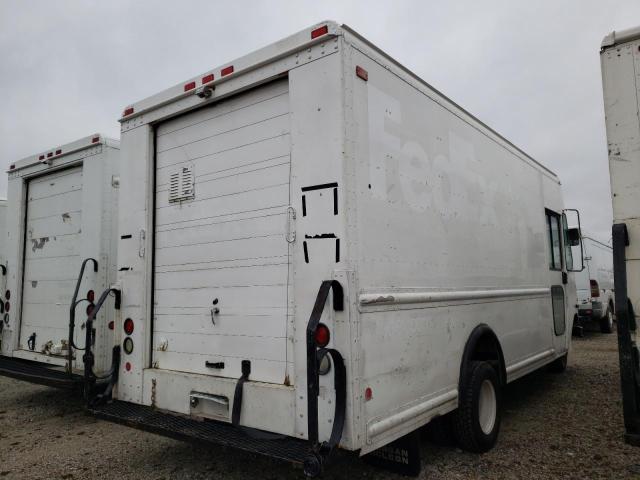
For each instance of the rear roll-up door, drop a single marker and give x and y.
(221, 255)
(53, 233)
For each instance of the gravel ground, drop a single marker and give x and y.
(554, 426)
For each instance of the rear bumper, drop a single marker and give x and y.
(592, 310)
(38, 373)
(266, 406)
(209, 431)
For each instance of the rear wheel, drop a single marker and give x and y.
(559, 365)
(606, 322)
(476, 422)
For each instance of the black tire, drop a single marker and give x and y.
(467, 428)
(606, 322)
(559, 365)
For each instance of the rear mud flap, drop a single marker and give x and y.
(401, 456)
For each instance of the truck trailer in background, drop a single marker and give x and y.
(620, 60)
(594, 286)
(3, 260)
(318, 249)
(60, 249)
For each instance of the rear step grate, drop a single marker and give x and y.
(39, 373)
(208, 431)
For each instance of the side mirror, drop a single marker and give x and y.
(573, 235)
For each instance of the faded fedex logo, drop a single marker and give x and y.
(441, 171)
(417, 159)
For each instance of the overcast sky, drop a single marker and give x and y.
(529, 69)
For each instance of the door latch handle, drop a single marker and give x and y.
(214, 311)
(291, 232)
(141, 245)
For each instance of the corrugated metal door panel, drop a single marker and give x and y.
(252, 298)
(225, 240)
(52, 255)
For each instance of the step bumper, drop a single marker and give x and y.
(38, 373)
(210, 432)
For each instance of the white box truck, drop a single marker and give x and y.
(60, 249)
(594, 286)
(317, 244)
(620, 62)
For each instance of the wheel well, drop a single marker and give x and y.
(483, 344)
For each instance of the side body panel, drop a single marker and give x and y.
(621, 88)
(451, 233)
(620, 65)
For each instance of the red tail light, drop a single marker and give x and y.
(95, 139)
(368, 394)
(7, 306)
(91, 296)
(7, 295)
(322, 335)
(208, 78)
(226, 70)
(362, 73)
(189, 86)
(128, 326)
(127, 366)
(127, 111)
(90, 309)
(318, 32)
(111, 325)
(595, 288)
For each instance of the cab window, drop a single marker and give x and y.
(553, 235)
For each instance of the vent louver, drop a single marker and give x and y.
(181, 185)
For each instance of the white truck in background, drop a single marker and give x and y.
(316, 244)
(594, 286)
(60, 249)
(3, 259)
(620, 62)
